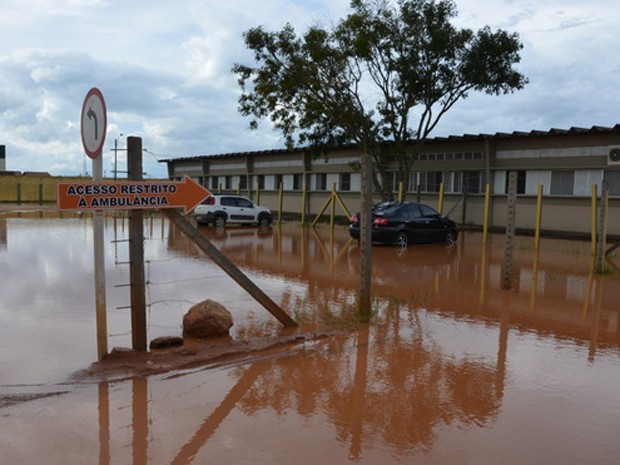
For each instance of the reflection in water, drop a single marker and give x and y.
(552, 288)
(454, 370)
(404, 390)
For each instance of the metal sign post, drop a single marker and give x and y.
(93, 128)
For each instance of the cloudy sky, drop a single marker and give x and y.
(164, 69)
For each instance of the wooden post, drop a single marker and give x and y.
(440, 201)
(304, 196)
(280, 194)
(538, 217)
(332, 212)
(136, 251)
(400, 192)
(365, 242)
(485, 220)
(464, 210)
(593, 219)
(510, 229)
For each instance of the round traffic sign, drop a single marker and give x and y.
(94, 123)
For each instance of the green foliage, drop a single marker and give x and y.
(381, 79)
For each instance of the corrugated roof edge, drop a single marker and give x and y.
(497, 135)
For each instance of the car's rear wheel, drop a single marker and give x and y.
(450, 238)
(219, 221)
(402, 240)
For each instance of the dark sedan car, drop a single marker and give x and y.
(403, 223)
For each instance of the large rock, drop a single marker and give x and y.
(207, 319)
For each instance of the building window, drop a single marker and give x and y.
(472, 182)
(261, 181)
(562, 183)
(430, 181)
(243, 182)
(320, 180)
(278, 181)
(214, 183)
(345, 181)
(228, 182)
(521, 176)
(613, 182)
(297, 182)
(390, 181)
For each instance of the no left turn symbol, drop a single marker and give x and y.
(94, 123)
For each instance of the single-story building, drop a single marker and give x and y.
(567, 163)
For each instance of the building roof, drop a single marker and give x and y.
(465, 137)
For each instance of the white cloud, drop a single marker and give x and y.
(164, 69)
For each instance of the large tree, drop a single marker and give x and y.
(380, 79)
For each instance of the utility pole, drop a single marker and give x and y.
(116, 156)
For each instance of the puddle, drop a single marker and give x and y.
(454, 369)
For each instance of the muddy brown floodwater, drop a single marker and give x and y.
(452, 370)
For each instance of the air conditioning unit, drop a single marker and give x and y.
(613, 156)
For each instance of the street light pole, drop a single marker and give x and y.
(116, 156)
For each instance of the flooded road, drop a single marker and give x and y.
(453, 370)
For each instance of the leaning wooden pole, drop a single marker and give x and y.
(225, 264)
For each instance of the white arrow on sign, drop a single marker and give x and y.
(94, 123)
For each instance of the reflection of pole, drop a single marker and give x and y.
(140, 421)
(534, 280)
(359, 394)
(601, 230)
(483, 273)
(504, 327)
(99, 258)
(104, 423)
(596, 323)
(588, 297)
(210, 425)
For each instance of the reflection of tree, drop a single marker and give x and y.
(391, 382)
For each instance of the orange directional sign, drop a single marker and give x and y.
(130, 195)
